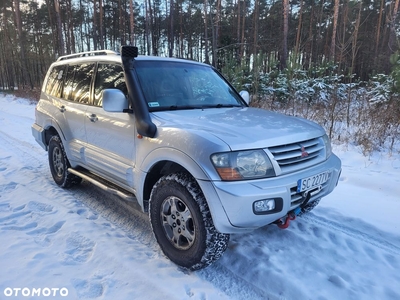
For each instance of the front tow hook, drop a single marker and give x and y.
(284, 222)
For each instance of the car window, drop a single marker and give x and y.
(55, 81)
(174, 85)
(108, 76)
(77, 83)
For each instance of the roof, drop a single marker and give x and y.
(112, 56)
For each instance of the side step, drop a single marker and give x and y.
(103, 184)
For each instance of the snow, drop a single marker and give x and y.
(96, 246)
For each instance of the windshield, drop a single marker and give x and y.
(177, 85)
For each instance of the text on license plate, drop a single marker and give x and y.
(312, 181)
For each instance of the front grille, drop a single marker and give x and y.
(296, 156)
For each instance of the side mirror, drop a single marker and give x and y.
(245, 96)
(114, 100)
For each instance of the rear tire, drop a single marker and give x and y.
(59, 164)
(182, 223)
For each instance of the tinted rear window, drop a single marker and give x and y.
(55, 81)
(77, 83)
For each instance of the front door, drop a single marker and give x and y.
(110, 148)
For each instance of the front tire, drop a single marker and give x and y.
(182, 223)
(59, 164)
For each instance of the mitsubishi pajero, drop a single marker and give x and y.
(177, 138)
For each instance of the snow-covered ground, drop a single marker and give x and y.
(93, 245)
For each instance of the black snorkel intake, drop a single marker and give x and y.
(144, 125)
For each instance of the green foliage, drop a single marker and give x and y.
(380, 88)
(284, 86)
(364, 113)
(395, 61)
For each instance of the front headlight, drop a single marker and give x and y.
(242, 165)
(328, 146)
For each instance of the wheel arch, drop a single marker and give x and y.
(163, 161)
(48, 133)
(158, 170)
(51, 128)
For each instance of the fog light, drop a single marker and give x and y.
(264, 205)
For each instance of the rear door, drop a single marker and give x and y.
(73, 105)
(110, 136)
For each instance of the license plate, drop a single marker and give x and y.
(308, 183)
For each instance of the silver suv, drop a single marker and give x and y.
(177, 138)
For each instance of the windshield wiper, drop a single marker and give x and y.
(227, 105)
(220, 105)
(174, 107)
(183, 107)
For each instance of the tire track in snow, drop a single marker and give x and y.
(125, 215)
(232, 284)
(372, 239)
(21, 149)
(128, 217)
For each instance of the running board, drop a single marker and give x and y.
(103, 184)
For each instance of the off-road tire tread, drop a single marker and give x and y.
(214, 244)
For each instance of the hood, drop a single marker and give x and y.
(241, 128)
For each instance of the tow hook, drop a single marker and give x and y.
(285, 221)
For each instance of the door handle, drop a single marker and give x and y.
(93, 118)
(62, 108)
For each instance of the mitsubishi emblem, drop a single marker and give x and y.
(304, 153)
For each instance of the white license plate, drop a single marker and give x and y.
(308, 183)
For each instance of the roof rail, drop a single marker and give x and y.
(88, 53)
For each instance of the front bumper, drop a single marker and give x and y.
(234, 210)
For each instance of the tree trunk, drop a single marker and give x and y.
(171, 28)
(243, 30)
(215, 33)
(298, 34)
(334, 29)
(94, 24)
(70, 28)
(7, 52)
(238, 30)
(190, 37)
(181, 34)
(21, 38)
(101, 24)
(392, 34)
(152, 30)
(285, 33)
(378, 30)
(61, 46)
(207, 60)
(255, 33)
(132, 22)
(121, 30)
(354, 50)
(147, 31)
(310, 39)
(343, 44)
